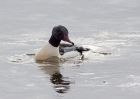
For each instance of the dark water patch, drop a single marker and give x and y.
(103, 53)
(31, 54)
(52, 67)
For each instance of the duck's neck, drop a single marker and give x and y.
(54, 42)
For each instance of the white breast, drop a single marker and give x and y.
(46, 52)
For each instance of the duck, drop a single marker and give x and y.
(53, 48)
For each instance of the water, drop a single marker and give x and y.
(106, 26)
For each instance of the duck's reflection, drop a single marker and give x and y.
(51, 66)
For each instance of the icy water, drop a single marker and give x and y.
(111, 28)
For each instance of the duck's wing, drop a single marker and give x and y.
(63, 48)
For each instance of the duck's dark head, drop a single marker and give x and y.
(59, 33)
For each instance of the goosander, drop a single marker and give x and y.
(54, 48)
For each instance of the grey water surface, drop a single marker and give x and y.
(105, 26)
